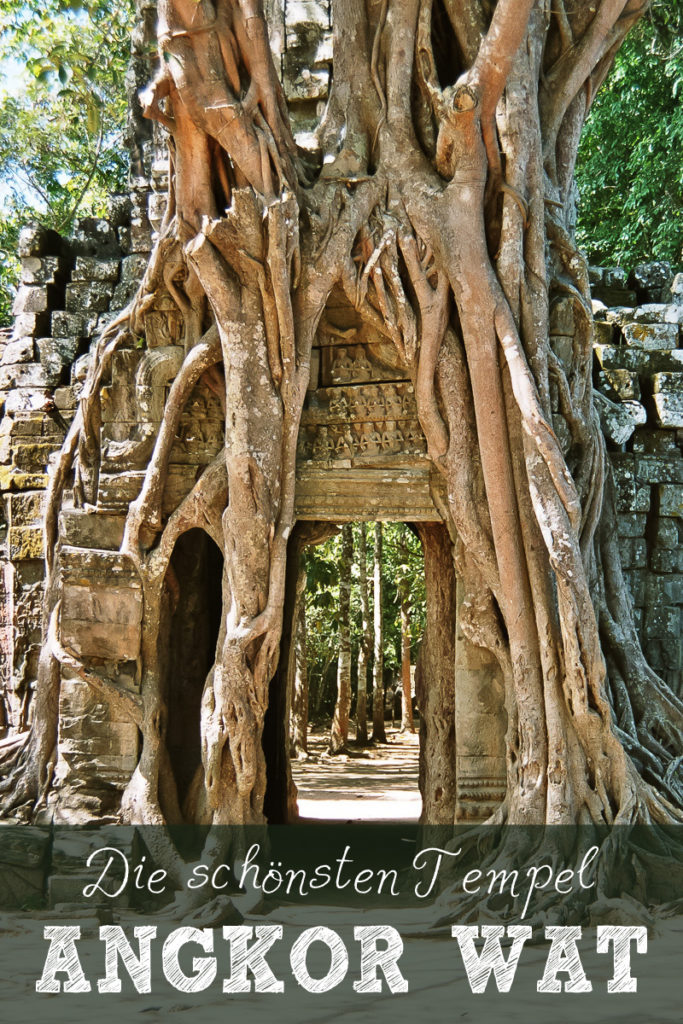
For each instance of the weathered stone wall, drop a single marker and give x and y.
(68, 288)
(639, 367)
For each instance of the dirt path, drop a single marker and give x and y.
(375, 784)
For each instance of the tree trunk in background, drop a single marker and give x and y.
(406, 697)
(299, 712)
(403, 585)
(378, 731)
(339, 734)
(365, 643)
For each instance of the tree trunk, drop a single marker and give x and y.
(365, 643)
(339, 734)
(406, 695)
(403, 587)
(378, 730)
(299, 716)
(444, 215)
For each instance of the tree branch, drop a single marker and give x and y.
(497, 52)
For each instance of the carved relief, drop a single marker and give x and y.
(350, 364)
(201, 432)
(357, 360)
(137, 411)
(163, 323)
(373, 421)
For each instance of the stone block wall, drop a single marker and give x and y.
(69, 288)
(639, 369)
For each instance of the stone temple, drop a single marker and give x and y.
(361, 456)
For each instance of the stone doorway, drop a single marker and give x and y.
(370, 779)
(188, 637)
(461, 715)
(362, 456)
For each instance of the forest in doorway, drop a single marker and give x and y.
(360, 622)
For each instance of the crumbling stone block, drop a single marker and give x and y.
(622, 384)
(94, 236)
(31, 324)
(661, 622)
(79, 370)
(631, 524)
(44, 270)
(666, 533)
(618, 421)
(26, 400)
(32, 454)
(651, 281)
(615, 277)
(671, 500)
(57, 353)
(651, 337)
(92, 529)
(658, 313)
(36, 298)
(89, 268)
(652, 441)
(65, 399)
(25, 542)
(25, 375)
(132, 269)
(18, 351)
(93, 296)
(603, 332)
(70, 325)
(614, 296)
(668, 398)
(662, 560)
(643, 362)
(35, 240)
(654, 469)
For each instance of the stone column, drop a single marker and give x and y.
(435, 679)
(480, 723)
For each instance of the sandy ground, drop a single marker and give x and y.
(378, 783)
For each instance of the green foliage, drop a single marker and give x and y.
(630, 167)
(62, 115)
(403, 568)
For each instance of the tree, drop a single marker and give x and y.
(339, 733)
(62, 116)
(298, 732)
(365, 640)
(378, 731)
(629, 171)
(444, 213)
(403, 587)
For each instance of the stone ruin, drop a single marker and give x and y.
(362, 455)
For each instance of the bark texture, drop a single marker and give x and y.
(406, 696)
(443, 212)
(378, 730)
(339, 733)
(365, 642)
(299, 715)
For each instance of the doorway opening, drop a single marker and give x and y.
(194, 586)
(354, 718)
